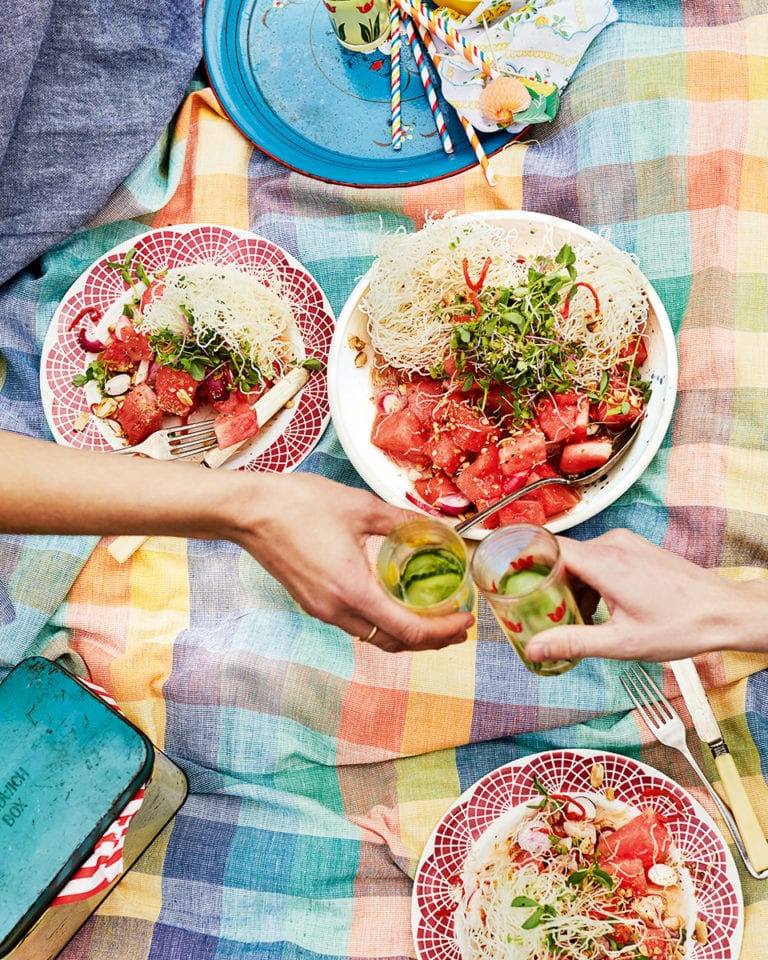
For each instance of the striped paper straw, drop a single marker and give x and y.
(469, 130)
(394, 69)
(429, 89)
(441, 27)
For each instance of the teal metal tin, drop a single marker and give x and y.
(68, 766)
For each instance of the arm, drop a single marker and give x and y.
(662, 607)
(307, 531)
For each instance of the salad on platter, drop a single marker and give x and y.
(583, 876)
(199, 337)
(492, 368)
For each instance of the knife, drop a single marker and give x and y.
(709, 732)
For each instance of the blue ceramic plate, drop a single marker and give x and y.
(300, 97)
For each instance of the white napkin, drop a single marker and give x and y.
(543, 40)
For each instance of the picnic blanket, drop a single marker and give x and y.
(319, 766)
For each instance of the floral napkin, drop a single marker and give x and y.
(541, 41)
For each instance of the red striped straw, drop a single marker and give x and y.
(469, 130)
(441, 27)
(426, 81)
(395, 38)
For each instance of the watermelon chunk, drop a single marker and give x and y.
(522, 511)
(176, 391)
(554, 498)
(140, 414)
(481, 480)
(401, 435)
(564, 417)
(234, 427)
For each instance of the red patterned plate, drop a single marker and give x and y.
(714, 874)
(290, 436)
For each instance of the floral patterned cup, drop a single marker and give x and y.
(359, 25)
(519, 571)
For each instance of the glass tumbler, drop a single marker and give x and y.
(519, 571)
(424, 565)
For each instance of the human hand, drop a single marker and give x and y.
(313, 540)
(661, 606)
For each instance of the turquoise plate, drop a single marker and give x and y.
(287, 84)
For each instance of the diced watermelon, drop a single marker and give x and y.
(115, 356)
(471, 431)
(136, 344)
(444, 453)
(645, 838)
(481, 480)
(175, 391)
(522, 511)
(522, 452)
(564, 417)
(234, 427)
(620, 406)
(140, 413)
(655, 944)
(423, 396)
(233, 402)
(554, 498)
(153, 292)
(431, 489)
(499, 401)
(588, 455)
(628, 873)
(401, 435)
(636, 348)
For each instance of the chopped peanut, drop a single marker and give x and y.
(81, 421)
(700, 932)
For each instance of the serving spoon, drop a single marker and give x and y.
(567, 480)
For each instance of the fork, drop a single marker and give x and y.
(667, 726)
(174, 443)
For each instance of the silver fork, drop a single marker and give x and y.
(174, 443)
(667, 726)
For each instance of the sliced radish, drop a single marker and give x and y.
(453, 504)
(391, 402)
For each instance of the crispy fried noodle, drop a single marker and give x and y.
(418, 273)
(250, 314)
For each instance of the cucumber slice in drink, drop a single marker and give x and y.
(430, 576)
(431, 590)
(518, 582)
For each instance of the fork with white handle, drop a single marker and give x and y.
(175, 443)
(668, 728)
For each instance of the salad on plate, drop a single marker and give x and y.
(584, 875)
(184, 340)
(493, 368)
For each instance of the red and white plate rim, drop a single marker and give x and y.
(293, 433)
(714, 873)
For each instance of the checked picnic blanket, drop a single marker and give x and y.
(318, 766)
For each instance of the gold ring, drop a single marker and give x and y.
(371, 635)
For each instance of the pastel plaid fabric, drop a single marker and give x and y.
(319, 767)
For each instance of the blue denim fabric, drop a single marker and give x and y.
(88, 87)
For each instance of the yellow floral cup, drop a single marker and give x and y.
(359, 25)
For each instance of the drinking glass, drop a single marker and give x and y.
(519, 571)
(359, 25)
(423, 564)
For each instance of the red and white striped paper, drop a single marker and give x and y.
(105, 864)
